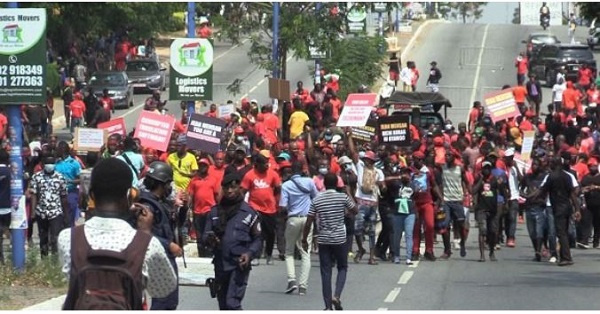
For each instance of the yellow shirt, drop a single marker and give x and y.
(297, 121)
(182, 166)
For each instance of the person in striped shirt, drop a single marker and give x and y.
(331, 206)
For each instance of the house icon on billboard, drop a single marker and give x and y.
(12, 33)
(192, 54)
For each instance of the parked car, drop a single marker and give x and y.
(536, 40)
(146, 75)
(119, 89)
(551, 58)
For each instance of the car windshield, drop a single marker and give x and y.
(142, 66)
(576, 53)
(115, 79)
(537, 40)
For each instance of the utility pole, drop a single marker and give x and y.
(318, 61)
(191, 33)
(17, 236)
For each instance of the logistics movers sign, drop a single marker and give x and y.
(23, 56)
(191, 73)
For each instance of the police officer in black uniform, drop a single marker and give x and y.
(233, 231)
(158, 187)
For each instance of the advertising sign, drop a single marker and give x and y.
(365, 134)
(89, 139)
(204, 133)
(114, 126)
(191, 71)
(501, 105)
(23, 56)
(394, 130)
(357, 20)
(154, 130)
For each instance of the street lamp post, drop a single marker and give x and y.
(191, 33)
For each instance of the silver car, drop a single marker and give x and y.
(146, 75)
(116, 83)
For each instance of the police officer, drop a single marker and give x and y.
(233, 232)
(158, 187)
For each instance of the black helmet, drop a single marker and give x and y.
(160, 171)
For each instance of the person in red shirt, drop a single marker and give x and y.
(271, 125)
(3, 124)
(415, 77)
(203, 193)
(218, 169)
(336, 105)
(204, 30)
(474, 115)
(521, 64)
(212, 112)
(593, 95)
(302, 93)
(107, 103)
(77, 108)
(262, 185)
(584, 76)
(520, 94)
(570, 99)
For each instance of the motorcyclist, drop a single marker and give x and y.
(154, 103)
(544, 13)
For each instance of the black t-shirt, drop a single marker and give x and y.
(592, 198)
(532, 183)
(487, 195)
(559, 185)
(4, 186)
(34, 114)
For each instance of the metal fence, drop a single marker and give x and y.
(490, 58)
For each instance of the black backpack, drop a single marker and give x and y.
(103, 279)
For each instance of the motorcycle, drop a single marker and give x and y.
(545, 22)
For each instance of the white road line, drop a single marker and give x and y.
(478, 69)
(414, 265)
(382, 309)
(391, 297)
(230, 49)
(405, 277)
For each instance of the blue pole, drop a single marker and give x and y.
(318, 61)
(397, 18)
(275, 39)
(15, 132)
(191, 33)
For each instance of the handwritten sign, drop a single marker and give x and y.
(225, 111)
(501, 105)
(205, 133)
(527, 147)
(89, 139)
(154, 130)
(357, 110)
(114, 126)
(394, 130)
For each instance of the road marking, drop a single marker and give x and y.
(391, 297)
(405, 277)
(414, 265)
(230, 49)
(382, 309)
(478, 70)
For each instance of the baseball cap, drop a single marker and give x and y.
(344, 160)
(509, 152)
(204, 161)
(241, 148)
(370, 155)
(285, 164)
(284, 156)
(486, 164)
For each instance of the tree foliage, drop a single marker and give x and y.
(589, 10)
(466, 11)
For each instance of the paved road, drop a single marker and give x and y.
(512, 283)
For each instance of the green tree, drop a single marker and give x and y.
(589, 10)
(517, 16)
(467, 10)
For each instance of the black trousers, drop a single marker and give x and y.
(199, 222)
(231, 288)
(584, 226)
(268, 225)
(48, 233)
(387, 230)
(561, 221)
(596, 223)
(329, 254)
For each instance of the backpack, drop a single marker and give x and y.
(103, 279)
(368, 184)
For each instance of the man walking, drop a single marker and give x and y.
(331, 207)
(534, 93)
(454, 186)
(296, 196)
(435, 75)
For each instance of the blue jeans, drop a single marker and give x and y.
(329, 253)
(550, 230)
(536, 218)
(73, 204)
(406, 224)
(513, 213)
(75, 122)
(365, 223)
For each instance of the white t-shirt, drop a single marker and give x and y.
(557, 91)
(406, 76)
(374, 197)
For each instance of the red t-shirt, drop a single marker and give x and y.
(77, 108)
(211, 114)
(570, 99)
(585, 76)
(216, 173)
(593, 96)
(336, 108)
(204, 192)
(519, 92)
(271, 123)
(522, 66)
(204, 32)
(261, 192)
(3, 122)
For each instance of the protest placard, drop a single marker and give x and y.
(114, 126)
(527, 147)
(365, 134)
(204, 133)
(394, 130)
(357, 110)
(154, 130)
(501, 105)
(225, 111)
(89, 139)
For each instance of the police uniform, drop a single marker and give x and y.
(162, 230)
(240, 234)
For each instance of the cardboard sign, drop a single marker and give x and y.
(114, 126)
(205, 133)
(501, 105)
(225, 111)
(154, 130)
(365, 134)
(89, 139)
(395, 130)
(527, 146)
(357, 110)
(279, 89)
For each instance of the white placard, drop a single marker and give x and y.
(225, 110)
(89, 139)
(354, 116)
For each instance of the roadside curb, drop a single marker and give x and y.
(411, 41)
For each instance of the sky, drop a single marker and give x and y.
(498, 13)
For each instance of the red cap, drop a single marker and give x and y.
(592, 161)
(285, 164)
(370, 155)
(204, 161)
(239, 130)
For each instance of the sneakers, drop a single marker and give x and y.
(396, 260)
(463, 250)
(429, 257)
(282, 257)
(291, 287)
(409, 262)
(456, 244)
(302, 291)
(565, 263)
(538, 257)
(510, 242)
(269, 261)
(255, 262)
(583, 246)
(552, 259)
